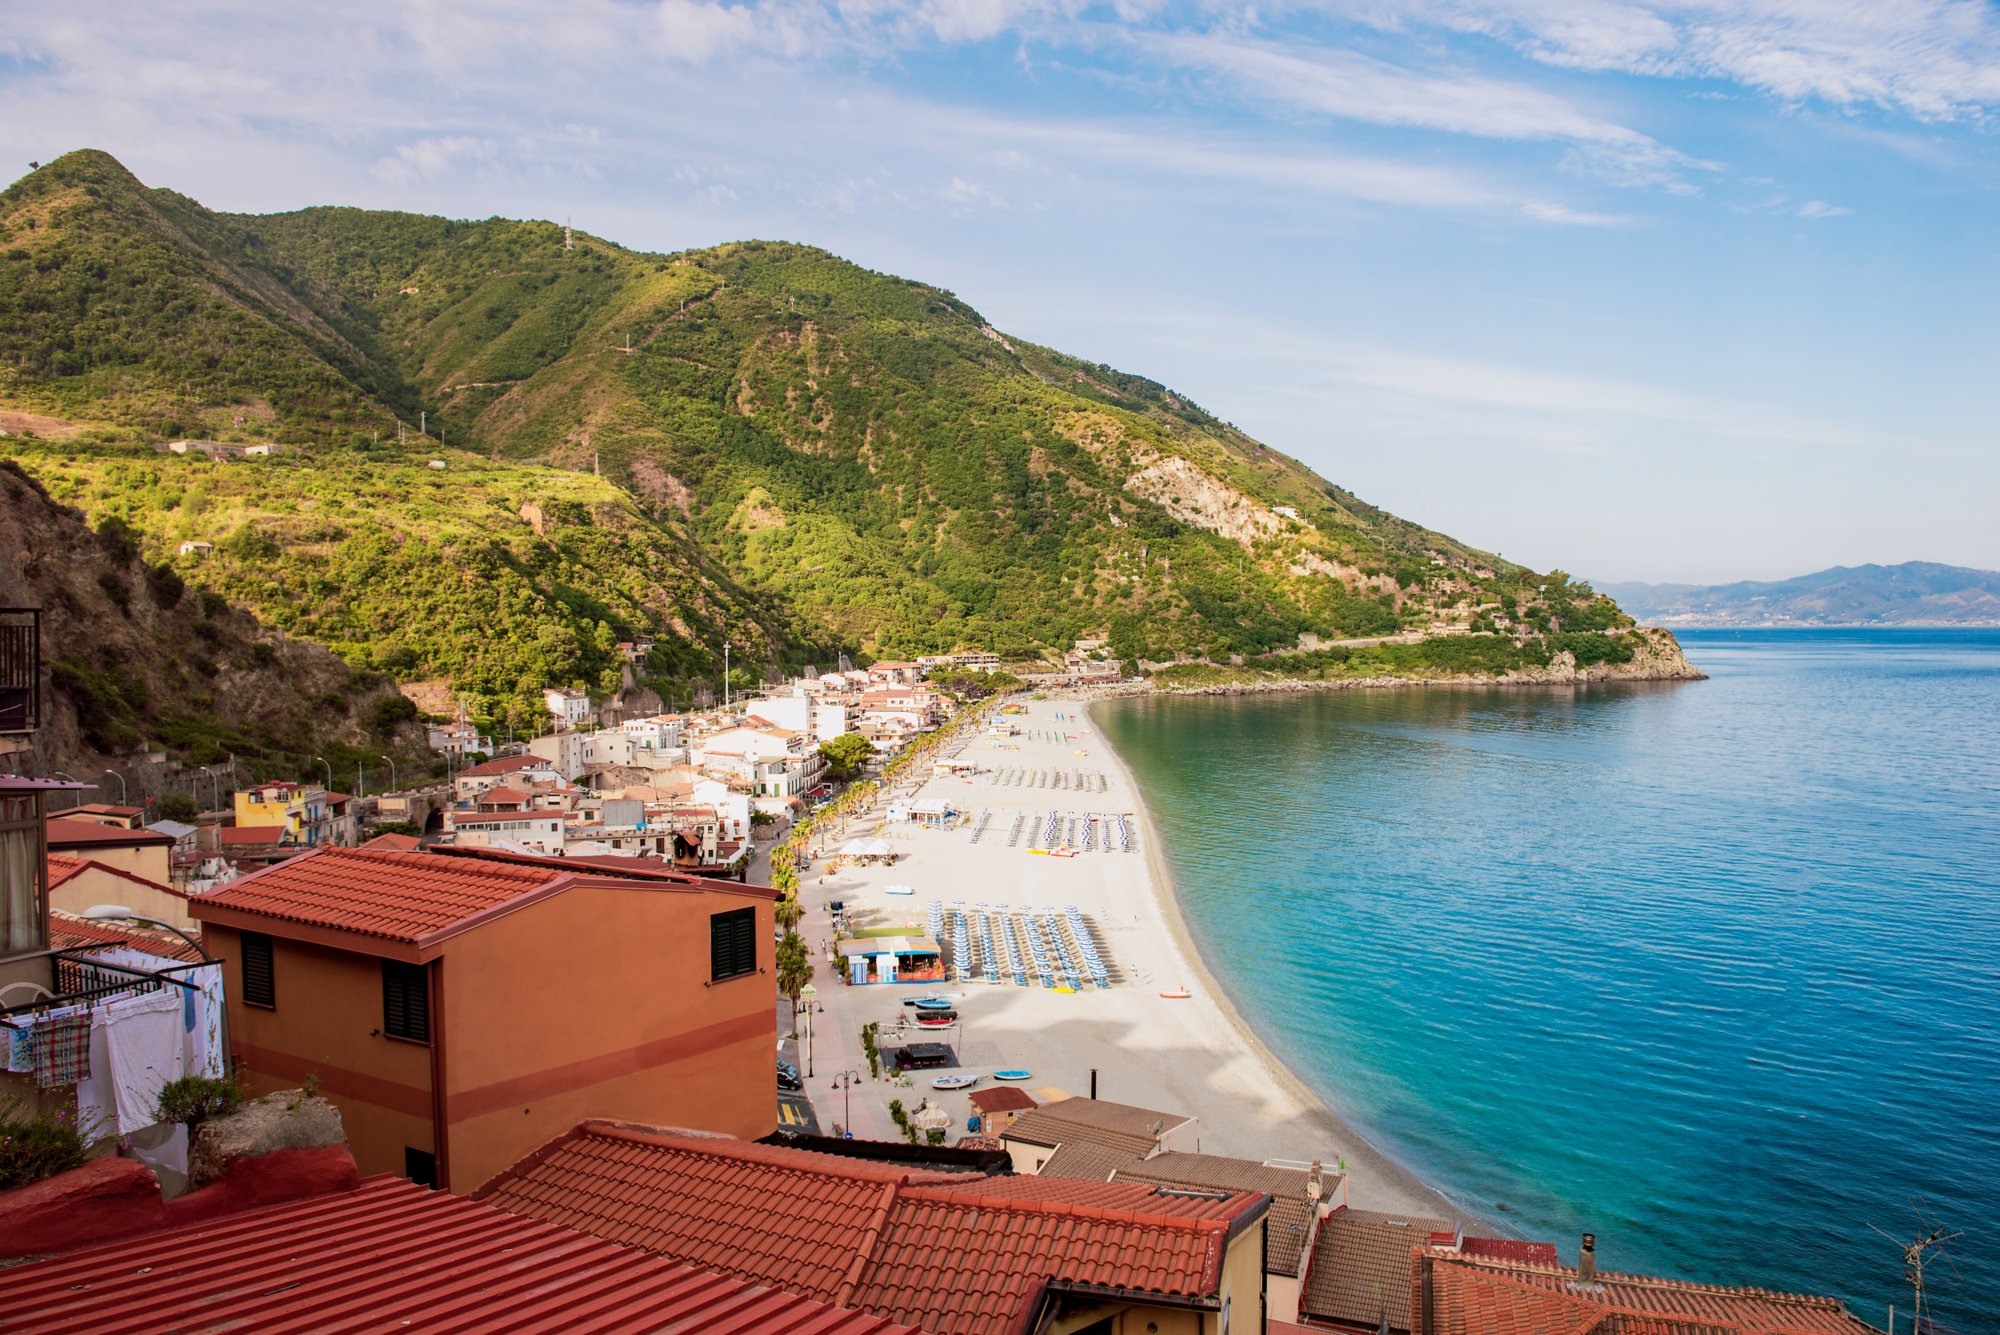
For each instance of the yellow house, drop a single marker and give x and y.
(77, 884)
(144, 853)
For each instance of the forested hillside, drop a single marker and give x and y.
(757, 442)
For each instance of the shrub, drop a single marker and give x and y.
(178, 806)
(35, 1145)
(193, 1099)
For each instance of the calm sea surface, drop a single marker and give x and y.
(1711, 969)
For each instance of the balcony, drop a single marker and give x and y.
(20, 670)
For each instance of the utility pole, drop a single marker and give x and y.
(1916, 1254)
(725, 676)
(423, 415)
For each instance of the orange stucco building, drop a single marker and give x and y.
(464, 1008)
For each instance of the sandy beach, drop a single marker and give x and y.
(1194, 1056)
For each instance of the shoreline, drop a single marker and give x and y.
(1376, 1178)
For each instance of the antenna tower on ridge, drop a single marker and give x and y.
(568, 244)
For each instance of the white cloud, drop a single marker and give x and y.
(1819, 208)
(1932, 59)
(432, 159)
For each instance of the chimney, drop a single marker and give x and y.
(1586, 1261)
(1093, 1082)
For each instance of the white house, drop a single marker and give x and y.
(567, 705)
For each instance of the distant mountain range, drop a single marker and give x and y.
(1915, 593)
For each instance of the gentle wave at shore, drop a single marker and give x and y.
(1704, 968)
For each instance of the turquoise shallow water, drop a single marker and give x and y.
(1711, 969)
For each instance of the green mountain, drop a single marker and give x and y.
(796, 454)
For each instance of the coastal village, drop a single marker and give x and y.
(857, 1005)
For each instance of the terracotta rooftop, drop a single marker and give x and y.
(935, 1249)
(1360, 1267)
(1290, 1225)
(250, 836)
(392, 843)
(1477, 1296)
(1086, 1161)
(67, 931)
(391, 1254)
(62, 869)
(1510, 1249)
(502, 793)
(89, 834)
(504, 765)
(1002, 1098)
(401, 896)
(1099, 1121)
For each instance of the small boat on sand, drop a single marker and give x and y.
(1063, 853)
(931, 1003)
(954, 1081)
(1178, 994)
(1014, 1075)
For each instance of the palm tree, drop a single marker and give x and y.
(787, 912)
(795, 970)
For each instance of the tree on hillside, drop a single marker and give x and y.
(845, 755)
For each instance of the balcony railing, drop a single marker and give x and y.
(20, 669)
(77, 978)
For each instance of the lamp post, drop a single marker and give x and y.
(329, 771)
(73, 779)
(393, 785)
(121, 785)
(120, 913)
(809, 994)
(845, 1083)
(214, 780)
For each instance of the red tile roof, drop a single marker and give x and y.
(1359, 1271)
(62, 869)
(392, 843)
(401, 896)
(505, 765)
(929, 1248)
(250, 836)
(391, 1254)
(1476, 1296)
(69, 932)
(88, 834)
(1510, 1249)
(1002, 1098)
(502, 793)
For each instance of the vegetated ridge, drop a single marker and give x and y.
(134, 660)
(798, 456)
(1914, 593)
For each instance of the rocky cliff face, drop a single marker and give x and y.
(135, 664)
(1658, 658)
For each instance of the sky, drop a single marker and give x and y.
(1671, 290)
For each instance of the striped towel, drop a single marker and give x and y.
(61, 1049)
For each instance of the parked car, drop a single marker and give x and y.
(788, 1076)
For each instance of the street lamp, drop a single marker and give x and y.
(120, 913)
(809, 994)
(73, 779)
(121, 785)
(214, 780)
(845, 1083)
(329, 771)
(394, 787)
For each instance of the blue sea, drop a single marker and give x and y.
(1710, 969)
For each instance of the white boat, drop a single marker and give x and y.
(953, 1081)
(898, 890)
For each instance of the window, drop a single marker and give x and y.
(23, 892)
(420, 1166)
(406, 1001)
(732, 944)
(260, 982)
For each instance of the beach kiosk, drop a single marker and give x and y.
(890, 959)
(932, 813)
